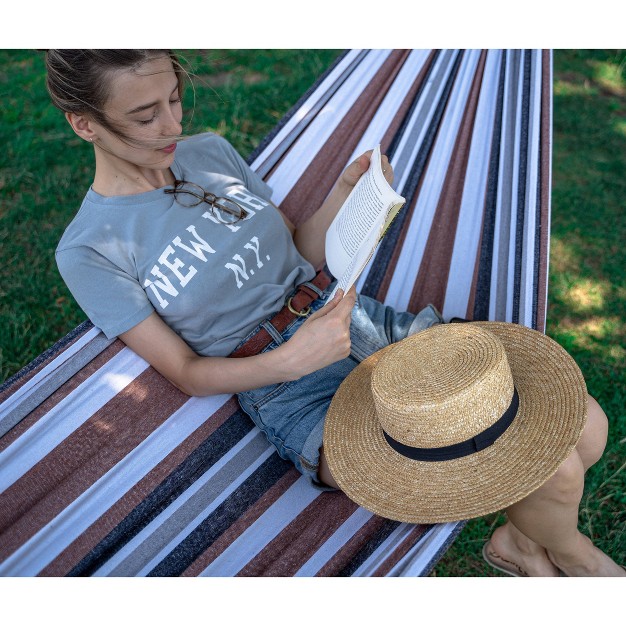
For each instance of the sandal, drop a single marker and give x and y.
(508, 567)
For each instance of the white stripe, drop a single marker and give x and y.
(299, 158)
(335, 542)
(264, 530)
(467, 236)
(527, 284)
(418, 558)
(68, 415)
(46, 372)
(401, 285)
(306, 107)
(61, 531)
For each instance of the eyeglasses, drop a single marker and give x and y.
(225, 210)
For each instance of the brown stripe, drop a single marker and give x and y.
(300, 539)
(83, 457)
(352, 547)
(60, 394)
(243, 523)
(432, 279)
(546, 149)
(415, 534)
(88, 540)
(308, 194)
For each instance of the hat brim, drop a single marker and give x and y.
(551, 417)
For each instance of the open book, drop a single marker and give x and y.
(360, 224)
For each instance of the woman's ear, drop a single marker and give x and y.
(82, 126)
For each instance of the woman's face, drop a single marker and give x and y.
(145, 104)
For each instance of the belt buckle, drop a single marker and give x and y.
(303, 313)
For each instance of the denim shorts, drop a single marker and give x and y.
(291, 414)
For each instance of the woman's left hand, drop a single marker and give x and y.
(357, 168)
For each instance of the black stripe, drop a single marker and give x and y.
(181, 478)
(483, 283)
(224, 516)
(539, 210)
(387, 245)
(522, 183)
(368, 549)
(449, 540)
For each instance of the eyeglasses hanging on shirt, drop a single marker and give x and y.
(223, 209)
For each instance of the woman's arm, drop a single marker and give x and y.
(323, 338)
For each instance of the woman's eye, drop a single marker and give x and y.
(144, 122)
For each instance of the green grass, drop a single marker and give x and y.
(44, 171)
(587, 287)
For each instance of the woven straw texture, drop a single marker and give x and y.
(432, 391)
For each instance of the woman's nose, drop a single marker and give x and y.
(171, 124)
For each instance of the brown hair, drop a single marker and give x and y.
(77, 80)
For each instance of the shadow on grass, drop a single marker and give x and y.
(587, 288)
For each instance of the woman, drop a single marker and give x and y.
(178, 250)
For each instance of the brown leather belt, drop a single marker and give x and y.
(298, 305)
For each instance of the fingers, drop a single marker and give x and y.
(359, 166)
(349, 299)
(387, 169)
(344, 307)
(343, 303)
(329, 306)
(356, 169)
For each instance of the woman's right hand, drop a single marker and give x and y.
(323, 339)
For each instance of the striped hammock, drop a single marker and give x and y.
(107, 470)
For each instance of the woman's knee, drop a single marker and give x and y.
(593, 439)
(567, 484)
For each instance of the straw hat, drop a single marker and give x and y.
(455, 422)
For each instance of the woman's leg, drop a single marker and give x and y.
(542, 534)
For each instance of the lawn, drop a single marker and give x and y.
(45, 170)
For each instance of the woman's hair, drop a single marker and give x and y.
(79, 80)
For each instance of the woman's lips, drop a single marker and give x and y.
(169, 149)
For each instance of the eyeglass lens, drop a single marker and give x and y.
(225, 210)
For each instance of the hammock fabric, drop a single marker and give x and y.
(107, 470)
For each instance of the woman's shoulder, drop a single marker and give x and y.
(210, 153)
(100, 219)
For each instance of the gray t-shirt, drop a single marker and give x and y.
(123, 257)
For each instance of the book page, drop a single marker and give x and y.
(360, 224)
(358, 263)
(363, 212)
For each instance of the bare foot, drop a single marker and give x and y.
(587, 560)
(512, 552)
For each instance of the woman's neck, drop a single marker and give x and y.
(123, 178)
